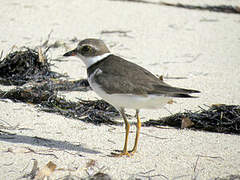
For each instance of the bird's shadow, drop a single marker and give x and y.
(44, 142)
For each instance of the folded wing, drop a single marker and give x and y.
(130, 78)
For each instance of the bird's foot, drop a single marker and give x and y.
(122, 153)
(132, 152)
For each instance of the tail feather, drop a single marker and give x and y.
(184, 93)
(174, 91)
(183, 96)
(187, 91)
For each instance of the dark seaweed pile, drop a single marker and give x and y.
(96, 112)
(217, 118)
(218, 8)
(22, 66)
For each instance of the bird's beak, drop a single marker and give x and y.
(71, 53)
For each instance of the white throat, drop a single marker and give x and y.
(88, 61)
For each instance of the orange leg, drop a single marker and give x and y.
(127, 127)
(137, 133)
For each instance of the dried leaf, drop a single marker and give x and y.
(90, 163)
(186, 123)
(171, 101)
(161, 77)
(40, 56)
(217, 105)
(45, 171)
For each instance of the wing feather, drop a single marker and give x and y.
(123, 77)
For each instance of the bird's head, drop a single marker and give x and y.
(90, 51)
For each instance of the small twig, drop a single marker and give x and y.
(214, 157)
(114, 31)
(1, 55)
(33, 172)
(32, 151)
(120, 32)
(143, 174)
(154, 136)
(48, 38)
(195, 166)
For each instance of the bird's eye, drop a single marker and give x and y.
(86, 49)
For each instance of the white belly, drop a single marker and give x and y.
(129, 100)
(133, 101)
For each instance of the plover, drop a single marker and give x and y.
(124, 84)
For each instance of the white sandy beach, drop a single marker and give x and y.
(200, 45)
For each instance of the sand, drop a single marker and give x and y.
(200, 45)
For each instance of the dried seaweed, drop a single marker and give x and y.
(34, 91)
(100, 176)
(96, 112)
(64, 85)
(219, 118)
(25, 65)
(119, 32)
(229, 177)
(33, 95)
(219, 8)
